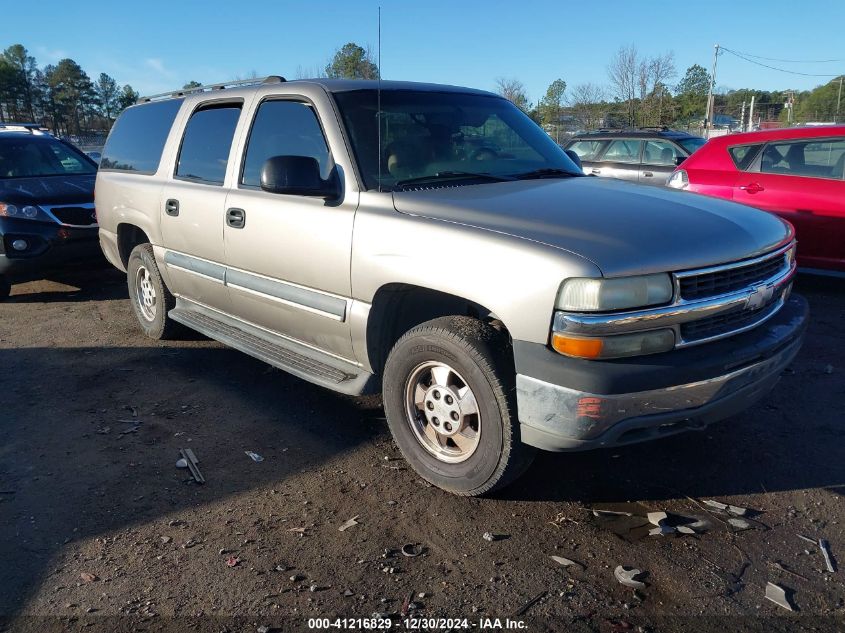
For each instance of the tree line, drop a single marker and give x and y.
(642, 91)
(59, 96)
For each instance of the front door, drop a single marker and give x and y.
(659, 161)
(192, 207)
(620, 160)
(288, 260)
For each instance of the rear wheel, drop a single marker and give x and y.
(449, 399)
(150, 298)
(5, 288)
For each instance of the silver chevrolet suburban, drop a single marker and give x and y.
(433, 244)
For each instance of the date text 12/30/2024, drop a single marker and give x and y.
(416, 624)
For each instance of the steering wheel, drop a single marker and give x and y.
(484, 153)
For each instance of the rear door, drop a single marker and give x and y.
(659, 161)
(621, 159)
(802, 181)
(192, 205)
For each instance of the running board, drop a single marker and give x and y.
(294, 358)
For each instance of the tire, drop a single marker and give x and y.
(5, 288)
(150, 298)
(465, 445)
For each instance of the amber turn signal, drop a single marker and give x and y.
(578, 347)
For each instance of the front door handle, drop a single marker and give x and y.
(648, 174)
(171, 207)
(236, 218)
(595, 171)
(752, 188)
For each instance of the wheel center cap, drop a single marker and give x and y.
(442, 410)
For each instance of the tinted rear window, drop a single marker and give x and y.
(137, 138)
(207, 142)
(743, 155)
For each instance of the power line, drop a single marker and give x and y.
(789, 61)
(783, 70)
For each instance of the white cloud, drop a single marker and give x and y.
(157, 65)
(46, 55)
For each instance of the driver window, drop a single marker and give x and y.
(284, 128)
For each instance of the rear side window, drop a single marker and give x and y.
(743, 155)
(206, 144)
(808, 158)
(587, 149)
(284, 128)
(623, 150)
(137, 138)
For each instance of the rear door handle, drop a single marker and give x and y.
(236, 218)
(752, 188)
(171, 207)
(648, 174)
(595, 171)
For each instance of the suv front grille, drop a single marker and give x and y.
(75, 216)
(731, 322)
(727, 280)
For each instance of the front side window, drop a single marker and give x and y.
(661, 153)
(808, 158)
(587, 150)
(623, 150)
(206, 144)
(284, 128)
(434, 137)
(692, 144)
(30, 156)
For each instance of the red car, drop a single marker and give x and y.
(797, 173)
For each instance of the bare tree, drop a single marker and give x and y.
(587, 103)
(514, 91)
(623, 73)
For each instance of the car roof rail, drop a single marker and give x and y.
(270, 79)
(32, 128)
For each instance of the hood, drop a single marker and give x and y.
(624, 229)
(48, 189)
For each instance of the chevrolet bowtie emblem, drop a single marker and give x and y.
(760, 296)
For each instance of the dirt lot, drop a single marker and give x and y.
(99, 531)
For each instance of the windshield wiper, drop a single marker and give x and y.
(544, 172)
(452, 175)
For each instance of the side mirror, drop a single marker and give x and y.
(296, 175)
(680, 159)
(574, 158)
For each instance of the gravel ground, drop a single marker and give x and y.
(100, 531)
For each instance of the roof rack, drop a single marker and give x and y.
(32, 128)
(270, 79)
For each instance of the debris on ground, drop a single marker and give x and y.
(824, 546)
(710, 503)
(739, 524)
(726, 507)
(412, 550)
(807, 538)
(656, 518)
(254, 456)
(88, 577)
(566, 562)
(233, 561)
(489, 536)
(628, 576)
(524, 608)
(350, 523)
(779, 596)
(181, 463)
(192, 461)
(611, 513)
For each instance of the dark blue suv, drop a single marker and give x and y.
(47, 217)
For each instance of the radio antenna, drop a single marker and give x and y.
(378, 99)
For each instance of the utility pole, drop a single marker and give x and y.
(751, 115)
(839, 99)
(742, 119)
(708, 122)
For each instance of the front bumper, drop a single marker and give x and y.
(568, 404)
(50, 247)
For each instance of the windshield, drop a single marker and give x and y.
(691, 144)
(33, 156)
(446, 136)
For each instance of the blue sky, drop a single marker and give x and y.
(157, 46)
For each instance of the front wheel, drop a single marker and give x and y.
(5, 288)
(449, 399)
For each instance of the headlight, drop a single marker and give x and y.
(603, 295)
(616, 346)
(24, 212)
(679, 180)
